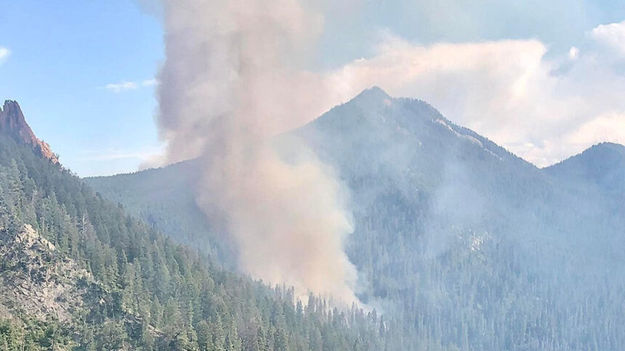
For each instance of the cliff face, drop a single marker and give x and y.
(13, 123)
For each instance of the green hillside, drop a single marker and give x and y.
(79, 273)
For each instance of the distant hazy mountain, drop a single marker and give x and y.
(601, 168)
(470, 246)
(164, 198)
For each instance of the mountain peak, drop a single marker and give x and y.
(602, 155)
(13, 123)
(373, 94)
(602, 164)
(607, 147)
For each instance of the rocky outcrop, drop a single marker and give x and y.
(13, 123)
(37, 281)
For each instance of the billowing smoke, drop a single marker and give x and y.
(232, 80)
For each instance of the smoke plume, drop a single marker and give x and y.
(232, 80)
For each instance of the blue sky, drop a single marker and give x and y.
(83, 70)
(62, 56)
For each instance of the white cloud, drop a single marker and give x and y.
(149, 82)
(506, 90)
(130, 85)
(611, 35)
(121, 86)
(608, 127)
(4, 53)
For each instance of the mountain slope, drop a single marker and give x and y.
(445, 218)
(162, 198)
(602, 167)
(79, 273)
(467, 244)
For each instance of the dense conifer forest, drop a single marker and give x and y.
(467, 245)
(133, 287)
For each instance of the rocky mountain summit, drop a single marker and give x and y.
(12, 122)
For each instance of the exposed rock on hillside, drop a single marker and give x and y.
(34, 280)
(12, 122)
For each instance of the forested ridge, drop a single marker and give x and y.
(469, 246)
(136, 289)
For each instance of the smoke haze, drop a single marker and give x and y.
(232, 79)
(236, 74)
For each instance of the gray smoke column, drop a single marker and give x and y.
(232, 80)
